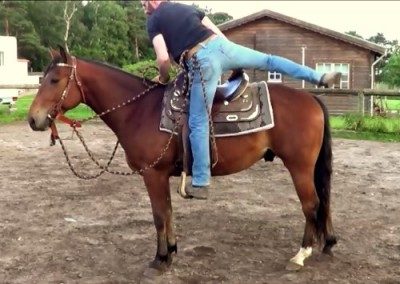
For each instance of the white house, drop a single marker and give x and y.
(12, 69)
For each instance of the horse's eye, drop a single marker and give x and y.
(54, 81)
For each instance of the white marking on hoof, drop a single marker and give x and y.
(291, 266)
(301, 256)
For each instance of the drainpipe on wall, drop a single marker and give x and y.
(373, 80)
(303, 61)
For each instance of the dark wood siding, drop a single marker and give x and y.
(286, 40)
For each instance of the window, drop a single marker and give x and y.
(339, 67)
(274, 77)
(1, 58)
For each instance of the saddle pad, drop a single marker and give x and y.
(235, 122)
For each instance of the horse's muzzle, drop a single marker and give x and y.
(39, 124)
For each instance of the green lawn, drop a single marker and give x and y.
(22, 108)
(393, 103)
(366, 128)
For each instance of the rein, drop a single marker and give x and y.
(58, 115)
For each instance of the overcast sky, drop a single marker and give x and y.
(367, 18)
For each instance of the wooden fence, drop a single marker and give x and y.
(363, 101)
(20, 87)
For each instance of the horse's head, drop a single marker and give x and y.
(59, 91)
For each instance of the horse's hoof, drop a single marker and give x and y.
(291, 266)
(151, 275)
(327, 251)
(159, 265)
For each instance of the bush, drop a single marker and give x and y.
(147, 69)
(353, 122)
(396, 127)
(376, 124)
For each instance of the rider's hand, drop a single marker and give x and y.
(160, 80)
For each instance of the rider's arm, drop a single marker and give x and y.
(207, 22)
(163, 60)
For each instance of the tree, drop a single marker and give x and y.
(17, 22)
(391, 71)
(219, 17)
(388, 69)
(354, 33)
(391, 45)
(379, 38)
(68, 14)
(138, 39)
(105, 33)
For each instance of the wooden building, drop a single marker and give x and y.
(308, 44)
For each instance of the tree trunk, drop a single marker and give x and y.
(136, 49)
(6, 26)
(67, 19)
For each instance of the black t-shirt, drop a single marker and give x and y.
(180, 26)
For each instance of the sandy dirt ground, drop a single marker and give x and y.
(55, 228)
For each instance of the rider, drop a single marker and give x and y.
(174, 28)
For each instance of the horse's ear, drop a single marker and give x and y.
(53, 53)
(63, 54)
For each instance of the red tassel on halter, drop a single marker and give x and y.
(54, 134)
(53, 128)
(66, 120)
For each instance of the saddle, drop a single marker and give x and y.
(250, 112)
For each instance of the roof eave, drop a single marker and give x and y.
(314, 28)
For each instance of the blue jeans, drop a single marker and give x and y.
(217, 56)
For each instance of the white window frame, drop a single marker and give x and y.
(1, 58)
(274, 77)
(324, 67)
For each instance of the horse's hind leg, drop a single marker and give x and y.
(159, 192)
(303, 179)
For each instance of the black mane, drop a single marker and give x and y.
(109, 66)
(58, 59)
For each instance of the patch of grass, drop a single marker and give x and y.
(376, 124)
(22, 107)
(337, 122)
(359, 127)
(372, 136)
(393, 103)
(80, 112)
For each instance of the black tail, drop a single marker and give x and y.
(322, 181)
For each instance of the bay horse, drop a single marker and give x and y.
(300, 138)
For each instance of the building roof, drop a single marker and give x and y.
(295, 22)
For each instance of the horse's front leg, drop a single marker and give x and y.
(157, 184)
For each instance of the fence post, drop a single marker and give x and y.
(361, 102)
(372, 106)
